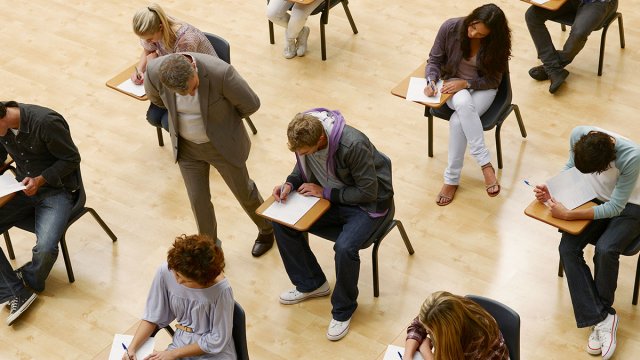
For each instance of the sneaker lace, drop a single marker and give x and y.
(14, 305)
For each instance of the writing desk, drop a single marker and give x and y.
(305, 222)
(118, 79)
(401, 89)
(552, 5)
(539, 211)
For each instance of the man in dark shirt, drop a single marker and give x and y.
(47, 163)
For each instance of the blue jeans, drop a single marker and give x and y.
(158, 116)
(592, 296)
(10, 286)
(349, 227)
(46, 214)
(588, 17)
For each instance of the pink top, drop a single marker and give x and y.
(188, 38)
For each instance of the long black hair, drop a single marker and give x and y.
(495, 48)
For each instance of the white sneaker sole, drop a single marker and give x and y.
(309, 296)
(338, 336)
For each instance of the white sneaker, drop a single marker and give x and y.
(594, 346)
(289, 48)
(337, 329)
(302, 40)
(294, 296)
(607, 332)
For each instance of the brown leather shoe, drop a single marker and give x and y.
(263, 243)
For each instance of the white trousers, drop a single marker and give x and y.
(465, 128)
(278, 14)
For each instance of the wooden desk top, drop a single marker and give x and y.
(118, 79)
(539, 211)
(306, 221)
(401, 89)
(552, 5)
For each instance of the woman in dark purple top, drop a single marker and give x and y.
(470, 54)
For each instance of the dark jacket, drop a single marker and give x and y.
(446, 55)
(44, 147)
(354, 160)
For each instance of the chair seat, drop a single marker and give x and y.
(568, 20)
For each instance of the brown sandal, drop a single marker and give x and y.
(494, 184)
(444, 200)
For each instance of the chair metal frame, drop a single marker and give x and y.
(322, 9)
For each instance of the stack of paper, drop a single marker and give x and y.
(570, 188)
(117, 350)
(8, 184)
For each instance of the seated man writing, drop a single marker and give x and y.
(613, 164)
(340, 164)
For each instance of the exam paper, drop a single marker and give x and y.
(571, 188)
(117, 350)
(8, 184)
(292, 209)
(415, 92)
(393, 350)
(130, 87)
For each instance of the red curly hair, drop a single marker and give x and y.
(196, 257)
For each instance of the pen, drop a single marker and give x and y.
(126, 350)
(400, 355)
(527, 182)
(138, 74)
(282, 190)
(432, 84)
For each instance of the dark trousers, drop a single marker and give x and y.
(592, 296)
(158, 116)
(588, 17)
(349, 227)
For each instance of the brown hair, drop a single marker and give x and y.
(454, 322)
(594, 152)
(304, 130)
(196, 257)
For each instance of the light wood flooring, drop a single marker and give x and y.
(60, 53)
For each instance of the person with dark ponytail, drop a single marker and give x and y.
(470, 54)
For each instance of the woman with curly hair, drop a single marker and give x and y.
(470, 54)
(454, 327)
(191, 289)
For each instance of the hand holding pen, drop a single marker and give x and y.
(430, 89)
(137, 77)
(126, 355)
(541, 192)
(280, 192)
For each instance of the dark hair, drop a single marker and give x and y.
(593, 152)
(196, 257)
(495, 48)
(4, 105)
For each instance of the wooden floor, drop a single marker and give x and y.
(60, 53)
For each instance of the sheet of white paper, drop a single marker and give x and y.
(539, 1)
(8, 184)
(130, 87)
(117, 350)
(292, 210)
(393, 350)
(416, 91)
(570, 188)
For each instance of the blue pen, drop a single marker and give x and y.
(527, 182)
(400, 355)
(126, 350)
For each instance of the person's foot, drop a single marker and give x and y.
(557, 79)
(301, 41)
(594, 345)
(607, 329)
(289, 48)
(445, 197)
(294, 296)
(538, 73)
(20, 304)
(338, 329)
(263, 243)
(490, 181)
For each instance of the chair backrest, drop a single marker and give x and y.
(221, 46)
(508, 321)
(239, 332)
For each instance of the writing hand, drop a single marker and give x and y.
(137, 78)
(430, 89)
(310, 189)
(453, 86)
(542, 193)
(131, 355)
(280, 192)
(32, 185)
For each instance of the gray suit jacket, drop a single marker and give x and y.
(225, 99)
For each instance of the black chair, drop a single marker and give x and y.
(508, 321)
(631, 250)
(323, 9)
(567, 20)
(78, 210)
(497, 113)
(238, 332)
(223, 50)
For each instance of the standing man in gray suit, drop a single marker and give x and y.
(206, 99)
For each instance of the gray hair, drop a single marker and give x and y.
(175, 72)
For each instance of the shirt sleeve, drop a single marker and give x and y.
(360, 159)
(57, 139)
(236, 90)
(221, 325)
(629, 171)
(438, 53)
(158, 309)
(416, 331)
